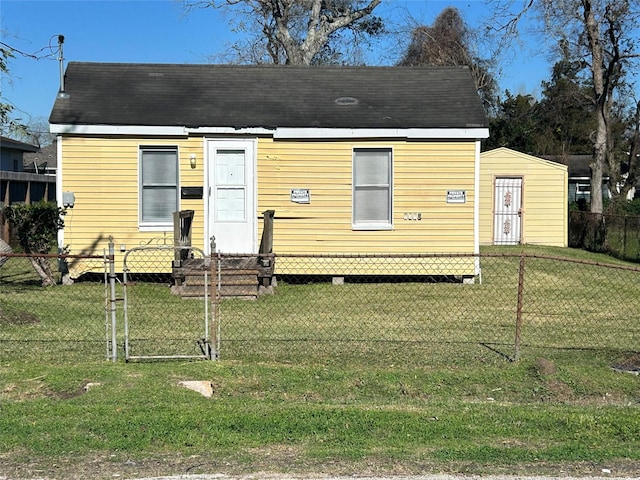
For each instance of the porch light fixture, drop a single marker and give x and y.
(192, 160)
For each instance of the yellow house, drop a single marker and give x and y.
(523, 199)
(352, 160)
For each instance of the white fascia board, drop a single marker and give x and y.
(117, 130)
(409, 133)
(158, 131)
(278, 133)
(230, 131)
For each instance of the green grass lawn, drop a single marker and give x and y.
(430, 398)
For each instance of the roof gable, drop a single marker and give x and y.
(516, 156)
(269, 96)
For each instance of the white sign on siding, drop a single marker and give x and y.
(300, 195)
(456, 196)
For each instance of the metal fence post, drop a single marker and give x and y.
(215, 299)
(215, 302)
(518, 339)
(112, 299)
(624, 238)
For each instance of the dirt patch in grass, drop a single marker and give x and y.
(11, 317)
(32, 388)
(555, 390)
(630, 364)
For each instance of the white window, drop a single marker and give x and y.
(158, 186)
(584, 188)
(372, 188)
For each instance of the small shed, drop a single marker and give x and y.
(523, 199)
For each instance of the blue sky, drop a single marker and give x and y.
(159, 31)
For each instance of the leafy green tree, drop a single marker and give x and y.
(36, 227)
(514, 125)
(566, 116)
(603, 36)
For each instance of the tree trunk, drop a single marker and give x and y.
(600, 145)
(4, 248)
(43, 269)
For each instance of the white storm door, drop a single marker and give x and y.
(507, 222)
(232, 211)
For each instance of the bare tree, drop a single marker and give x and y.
(10, 126)
(449, 42)
(296, 32)
(603, 34)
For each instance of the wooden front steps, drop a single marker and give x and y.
(237, 277)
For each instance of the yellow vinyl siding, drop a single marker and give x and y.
(102, 172)
(422, 174)
(544, 196)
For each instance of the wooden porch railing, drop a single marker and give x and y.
(182, 221)
(266, 243)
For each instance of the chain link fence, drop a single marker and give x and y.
(616, 235)
(56, 323)
(518, 305)
(387, 310)
(166, 304)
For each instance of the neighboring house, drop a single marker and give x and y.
(44, 161)
(11, 154)
(352, 160)
(579, 185)
(580, 178)
(19, 184)
(16, 184)
(523, 199)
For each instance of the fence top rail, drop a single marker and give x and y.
(457, 255)
(579, 213)
(580, 261)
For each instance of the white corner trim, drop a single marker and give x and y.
(476, 205)
(59, 167)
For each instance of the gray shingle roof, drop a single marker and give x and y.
(268, 96)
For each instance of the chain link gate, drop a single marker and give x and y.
(167, 310)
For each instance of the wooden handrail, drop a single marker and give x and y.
(266, 243)
(182, 221)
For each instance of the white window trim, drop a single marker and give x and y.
(372, 225)
(156, 226)
(583, 188)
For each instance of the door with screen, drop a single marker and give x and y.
(507, 222)
(232, 211)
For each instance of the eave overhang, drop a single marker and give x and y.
(277, 133)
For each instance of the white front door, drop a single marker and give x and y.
(507, 222)
(232, 209)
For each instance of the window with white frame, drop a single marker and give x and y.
(158, 185)
(372, 188)
(583, 188)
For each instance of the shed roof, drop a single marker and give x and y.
(268, 96)
(522, 157)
